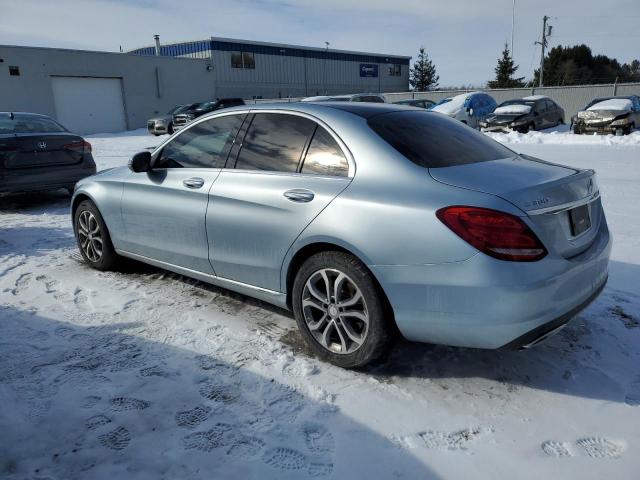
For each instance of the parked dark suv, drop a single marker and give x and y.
(536, 112)
(181, 119)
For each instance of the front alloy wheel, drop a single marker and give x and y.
(89, 236)
(93, 237)
(335, 311)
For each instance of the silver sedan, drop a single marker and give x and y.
(364, 219)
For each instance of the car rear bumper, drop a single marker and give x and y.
(487, 303)
(43, 178)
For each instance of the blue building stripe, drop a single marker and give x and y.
(190, 48)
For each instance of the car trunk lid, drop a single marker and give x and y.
(35, 150)
(549, 194)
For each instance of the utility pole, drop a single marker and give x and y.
(543, 45)
(513, 24)
(326, 67)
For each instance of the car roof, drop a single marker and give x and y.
(26, 114)
(536, 97)
(361, 109)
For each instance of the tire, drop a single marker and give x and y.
(170, 129)
(333, 321)
(629, 129)
(577, 130)
(105, 259)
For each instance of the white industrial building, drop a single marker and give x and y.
(91, 92)
(248, 69)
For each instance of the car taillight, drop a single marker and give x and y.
(80, 146)
(498, 234)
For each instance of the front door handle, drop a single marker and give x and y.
(299, 195)
(193, 182)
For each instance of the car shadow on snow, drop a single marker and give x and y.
(90, 398)
(55, 202)
(594, 356)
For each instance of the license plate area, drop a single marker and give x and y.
(579, 219)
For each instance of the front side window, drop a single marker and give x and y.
(432, 140)
(325, 156)
(204, 145)
(274, 142)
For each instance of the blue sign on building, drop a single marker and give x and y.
(368, 70)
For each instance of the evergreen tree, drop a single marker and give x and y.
(423, 74)
(577, 65)
(504, 72)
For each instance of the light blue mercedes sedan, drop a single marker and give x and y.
(364, 219)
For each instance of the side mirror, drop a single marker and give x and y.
(140, 162)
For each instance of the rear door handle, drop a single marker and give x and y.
(193, 182)
(299, 195)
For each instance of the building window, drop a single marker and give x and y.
(248, 60)
(14, 71)
(243, 60)
(236, 59)
(395, 69)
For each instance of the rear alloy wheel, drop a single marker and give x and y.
(339, 310)
(93, 237)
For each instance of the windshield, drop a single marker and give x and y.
(205, 106)
(432, 140)
(518, 102)
(178, 109)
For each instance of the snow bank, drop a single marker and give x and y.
(515, 109)
(561, 135)
(613, 104)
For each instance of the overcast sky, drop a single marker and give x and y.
(464, 37)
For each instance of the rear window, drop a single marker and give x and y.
(433, 140)
(29, 124)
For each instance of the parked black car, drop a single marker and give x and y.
(181, 119)
(536, 112)
(414, 102)
(37, 153)
(617, 115)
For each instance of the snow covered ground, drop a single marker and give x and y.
(147, 374)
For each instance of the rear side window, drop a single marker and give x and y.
(433, 140)
(204, 145)
(274, 142)
(325, 156)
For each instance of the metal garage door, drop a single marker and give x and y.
(89, 105)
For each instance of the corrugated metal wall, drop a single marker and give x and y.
(289, 71)
(572, 98)
(277, 76)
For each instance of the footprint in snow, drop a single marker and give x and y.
(117, 439)
(594, 447)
